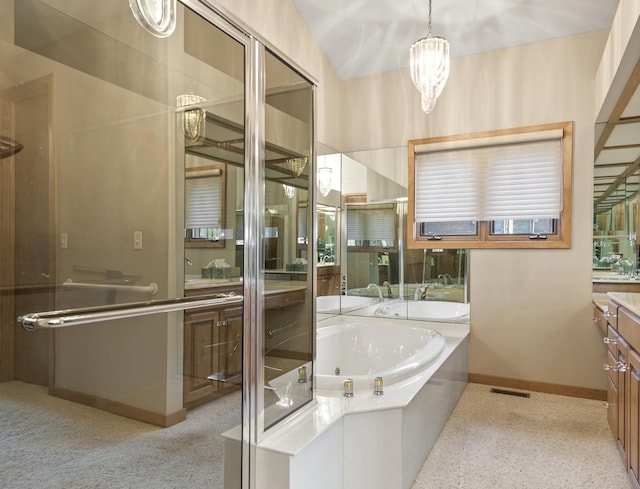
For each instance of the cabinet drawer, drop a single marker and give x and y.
(629, 328)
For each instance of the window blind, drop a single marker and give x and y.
(203, 199)
(371, 224)
(507, 181)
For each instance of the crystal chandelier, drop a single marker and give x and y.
(157, 16)
(296, 165)
(193, 116)
(324, 180)
(289, 191)
(429, 63)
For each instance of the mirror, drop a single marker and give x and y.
(616, 203)
(380, 276)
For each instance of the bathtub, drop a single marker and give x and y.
(362, 352)
(424, 310)
(334, 304)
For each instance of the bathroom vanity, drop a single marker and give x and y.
(213, 337)
(619, 320)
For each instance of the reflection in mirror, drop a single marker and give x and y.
(288, 227)
(381, 276)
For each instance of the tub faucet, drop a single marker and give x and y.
(380, 297)
(446, 278)
(421, 292)
(389, 291)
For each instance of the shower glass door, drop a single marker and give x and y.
(122, 163)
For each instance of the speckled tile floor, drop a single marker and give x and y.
(546, 441)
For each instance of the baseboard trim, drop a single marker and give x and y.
(547, 388)
(121, 409)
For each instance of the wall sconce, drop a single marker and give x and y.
(324, 180)
(158, 17)
(289, 191)
(193, 116)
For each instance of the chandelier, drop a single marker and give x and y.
(296, 165)
(429, 64)
(158, 17)
(193, 116)
(324, 180)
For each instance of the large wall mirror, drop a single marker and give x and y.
(379, 275)
(616, 226)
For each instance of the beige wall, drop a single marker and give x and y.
(530, 309)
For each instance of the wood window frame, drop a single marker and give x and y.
(190, 241)
(484, 239)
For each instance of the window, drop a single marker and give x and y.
(204, 206)
(371, 227)
(498, 189)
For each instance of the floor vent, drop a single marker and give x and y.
(510, 393)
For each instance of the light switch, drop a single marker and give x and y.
(137, 240)
(63, 241)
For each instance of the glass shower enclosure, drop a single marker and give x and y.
(156, 308)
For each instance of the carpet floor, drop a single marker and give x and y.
(497, 441)
(51, 443)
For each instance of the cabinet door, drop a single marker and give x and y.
(201, 354)
(634, 417)
(622, 385)
(232, 319)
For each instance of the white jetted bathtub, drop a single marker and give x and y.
(362, 352)
(334, 304)
(424, 310)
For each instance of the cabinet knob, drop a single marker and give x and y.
(607, 314)
(609, 405)
(609, 341)
(621, 367)
(597, 319)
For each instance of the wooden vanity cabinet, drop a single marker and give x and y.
(212, 365)
(623, 393)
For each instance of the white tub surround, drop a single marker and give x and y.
(367, 441)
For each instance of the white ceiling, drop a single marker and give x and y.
(364, 37)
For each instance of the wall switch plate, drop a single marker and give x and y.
(64, 242)
(137, 240)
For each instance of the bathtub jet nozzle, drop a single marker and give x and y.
(378, 386)
(302, 375)
(348, 388)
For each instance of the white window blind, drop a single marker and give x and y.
(203, 199)
(520, 180)
(371, 224)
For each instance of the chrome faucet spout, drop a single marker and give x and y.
(380, 297)
(389, 290)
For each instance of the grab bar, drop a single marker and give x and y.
(71, 317)
(152, 288)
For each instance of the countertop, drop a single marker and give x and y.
(629, 300)
(606, 276)
(271, 286)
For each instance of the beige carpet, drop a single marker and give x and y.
(48, 443)
(495, 441)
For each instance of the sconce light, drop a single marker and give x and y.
(193, 116)
(158, 17)
(289, 191)
(324, 180)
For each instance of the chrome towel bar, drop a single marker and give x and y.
(72, 317)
